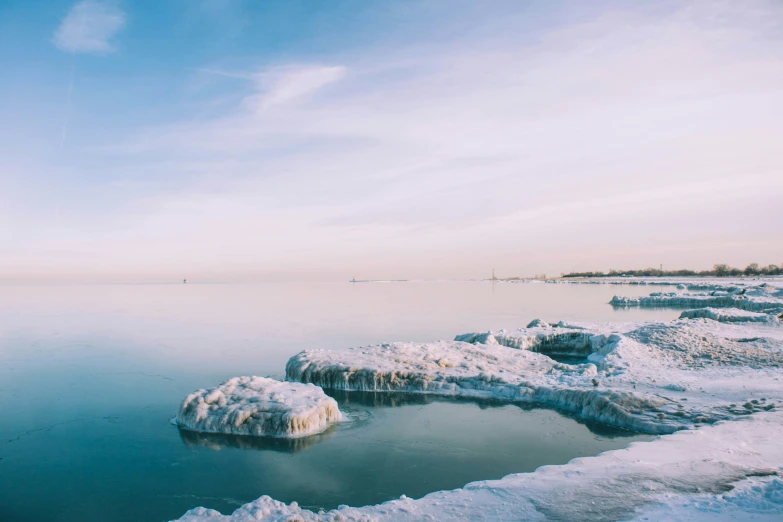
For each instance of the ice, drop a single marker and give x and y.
(259, 406)
(710, 383)
(559, 340)
(753, 303)
(730, 315)
(726, 284)
(743, 296)
(457, 368)
(634, 377)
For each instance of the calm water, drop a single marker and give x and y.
(91, 375)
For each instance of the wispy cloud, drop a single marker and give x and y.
(89, 27)
(281, 85)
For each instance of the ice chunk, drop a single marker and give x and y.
(259, 406)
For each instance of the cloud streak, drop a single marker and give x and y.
(285, 84)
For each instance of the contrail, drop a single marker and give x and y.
(68, 105)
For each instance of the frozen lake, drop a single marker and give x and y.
(90, 376)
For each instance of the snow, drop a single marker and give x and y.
(742, 295)
(560, 340)
(710, 383)
(675, 300)
(259, 406)
(730, 315)
(758, 499)
(682, 283)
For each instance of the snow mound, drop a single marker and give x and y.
(259, 406)
(729, 315)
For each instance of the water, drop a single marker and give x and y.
(91, 375)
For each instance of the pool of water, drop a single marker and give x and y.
(91, 375)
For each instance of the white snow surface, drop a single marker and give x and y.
(753, 303)
(729, 315)
(757, 499)
(750, 296)
(259, 406)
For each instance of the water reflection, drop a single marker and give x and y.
(353, 401)
(218, 441)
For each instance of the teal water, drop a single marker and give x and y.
(91, 375)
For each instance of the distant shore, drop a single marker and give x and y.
(752, 270)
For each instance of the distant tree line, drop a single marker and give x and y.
(721, 270)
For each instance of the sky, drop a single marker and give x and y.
(224, 140)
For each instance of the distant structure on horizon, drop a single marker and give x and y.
(184, 281)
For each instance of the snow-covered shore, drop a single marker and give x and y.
(730, 315)
(259, 406)
(751, 296)
(673, 470)
(710, 382)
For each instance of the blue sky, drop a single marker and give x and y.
(228, 140)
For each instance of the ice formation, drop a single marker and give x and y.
(766, 297)
(259, 406)
(634, 376)
(711, 382)
(673, 299)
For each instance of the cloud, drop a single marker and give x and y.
(281, 85)
(89, 27)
